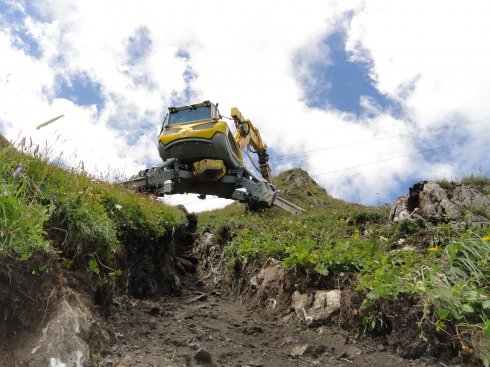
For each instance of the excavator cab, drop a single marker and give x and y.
(195, 133)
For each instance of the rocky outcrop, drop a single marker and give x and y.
(268, 287)
(430, 201)
(211, 257)
(68, 337)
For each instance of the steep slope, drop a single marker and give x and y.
(342, 285)
(68, 243)
(421, 285)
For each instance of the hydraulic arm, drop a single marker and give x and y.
(246, 135)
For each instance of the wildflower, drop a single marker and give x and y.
(118, 207)
(420, 285)
(17, 171)
(401, 241)
(356, 236)
(433, 249)
(486, 238)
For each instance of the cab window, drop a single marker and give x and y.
(189, 115)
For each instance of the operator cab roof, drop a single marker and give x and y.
(192, 113)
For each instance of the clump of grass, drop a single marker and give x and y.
(81, 215)
(476, 180)
(22, 217)
(459, 295)
(448, 273)
(445, 183)
(480, 211)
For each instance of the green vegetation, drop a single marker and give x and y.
(445, 183)
(84, 220)
(44, 207)
(476, 180)
(448, 271)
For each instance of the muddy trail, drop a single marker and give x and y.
(209, 328)
(209, 322)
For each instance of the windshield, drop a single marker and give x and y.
(188, 115)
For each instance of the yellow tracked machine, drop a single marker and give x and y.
(200, 155)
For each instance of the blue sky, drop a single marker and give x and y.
(342, 82)
(337, 83)
(79, 89)
(13, 19)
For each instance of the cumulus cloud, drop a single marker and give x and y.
(138, 59)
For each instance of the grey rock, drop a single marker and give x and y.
(299, 350)
(301, 302)
(429, 201)
(268, 287)
(399, 211)
(469, 198)
(253, 282)
(318, 307)
(406, 248)
(64, 340)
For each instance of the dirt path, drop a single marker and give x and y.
(200, 327)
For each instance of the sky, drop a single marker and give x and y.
(369, 97)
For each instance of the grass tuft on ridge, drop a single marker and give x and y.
(43, 206)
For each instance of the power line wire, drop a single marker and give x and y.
(282, 157)
(397, 157)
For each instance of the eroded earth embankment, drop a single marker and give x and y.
(181, 301)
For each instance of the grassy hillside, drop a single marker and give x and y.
(441, 273)
(46, 208)
(446, 272)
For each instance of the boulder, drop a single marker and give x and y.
(429, 201)
(316, 308)
(269, 283)
(65, 339)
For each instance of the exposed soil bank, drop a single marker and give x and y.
(225, 317)
(55, 314)
(180, 302)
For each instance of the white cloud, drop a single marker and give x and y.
(243, 54)
(440, 44)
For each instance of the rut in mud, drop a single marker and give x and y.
(213, 320)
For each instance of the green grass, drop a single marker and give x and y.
(45, 207)
(445, 183)
(447, 270)
(476, 180)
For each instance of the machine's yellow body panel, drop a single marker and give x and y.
(201, 129)
(209, 169)
(193, 138)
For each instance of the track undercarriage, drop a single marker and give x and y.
(175, 177)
